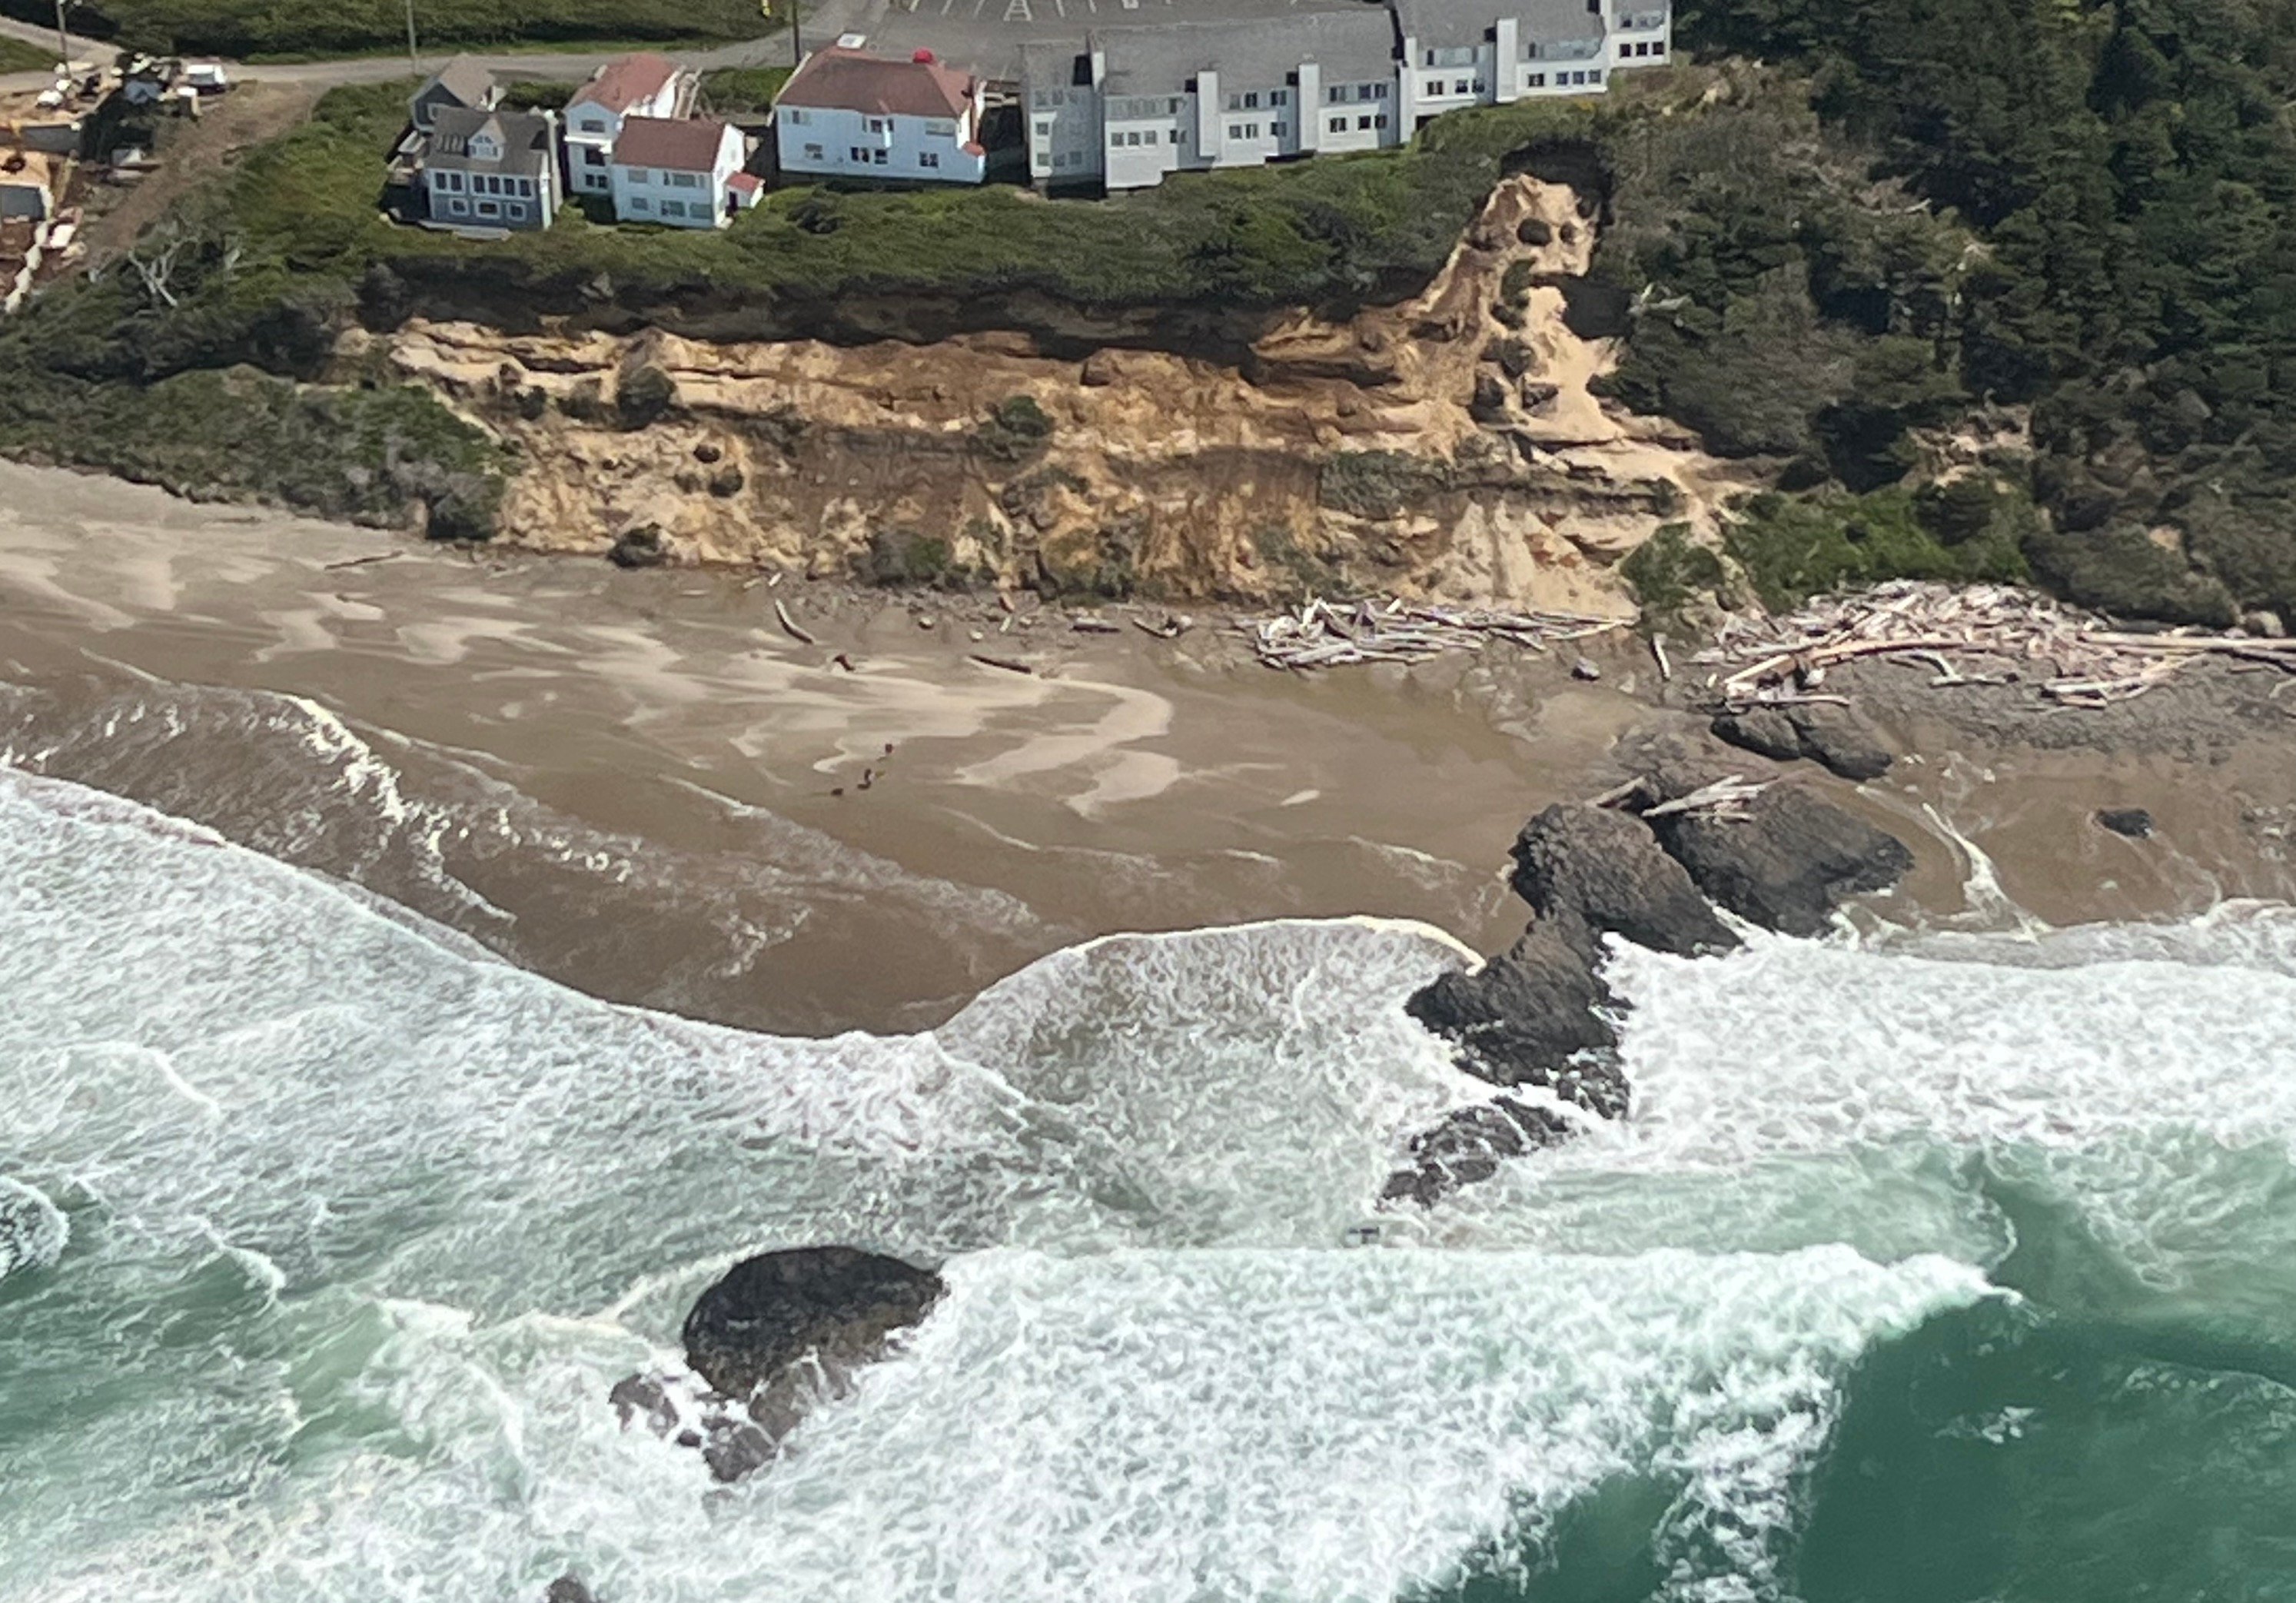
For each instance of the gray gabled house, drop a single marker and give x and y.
(492, 169)
(461, 85)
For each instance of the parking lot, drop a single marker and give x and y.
(986, 35)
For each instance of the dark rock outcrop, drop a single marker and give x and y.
(1469, 1145)
(1604, 871)
(639, 547)
(568, 1589)
(2133, 822)
(834, 1302)
(1540, 1014)
(1786, 862)
(1535, 1014)
(1838, 738)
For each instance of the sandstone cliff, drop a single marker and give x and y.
(1447, 445)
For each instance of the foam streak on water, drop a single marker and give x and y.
(321, 1238)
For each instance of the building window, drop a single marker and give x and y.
(1537, 80)
(459, 206)
(1115, 140)
(1251, 100)
(489, 208)
(1460, 87)
(1236, 102)
(685, 180)
(515, 212)
(1361, 122)
(638, 175)
(673, 209)
(1434, 85)
(592, 156)
(878, 125)
(1280, 97)
(879, 157)
(942, 130)
(640, 203)
(813, 153)
(795, 116)
(1277, 130)
(1596, 75)
(1044, 126)
(1379, 91)
(860, 152)
(1339, 125)
(1333, 96)
(928, 159)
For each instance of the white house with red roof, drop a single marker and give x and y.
(845, 113)
(645, 84)
(683, 171)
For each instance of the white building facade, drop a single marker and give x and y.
(1130, 105)
(846, 114)
(635, 86)
(679, 172)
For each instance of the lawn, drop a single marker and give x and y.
(16, 56)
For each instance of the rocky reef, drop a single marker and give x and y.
(1651, 863)
(775, 1335)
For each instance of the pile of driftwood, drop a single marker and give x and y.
(1980, 635)
(1330, 634)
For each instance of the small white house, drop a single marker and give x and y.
(845, 113)
(635, 86)
(681, 171)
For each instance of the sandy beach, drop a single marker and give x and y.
(642, 785)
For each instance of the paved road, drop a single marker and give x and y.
(772, 50)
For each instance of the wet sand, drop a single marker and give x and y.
(640, 785)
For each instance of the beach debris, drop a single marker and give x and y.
(845, 662)
(1170, 627)
(1008, 664)
(1585, 668)
(1088, 625)
(2076, 659)
(1329, 634)
(1658, 650)
(789, 627)
(1725, 797)
(358, 562)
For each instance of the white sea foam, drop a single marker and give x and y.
(398, 1217)
(33, 1230)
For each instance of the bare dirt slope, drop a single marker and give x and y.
(1449, 445)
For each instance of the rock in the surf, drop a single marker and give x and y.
(1605, 871)
(1468, 1145)
(835, 1302)
(1535, 1014)
(1786, 861)
(32, 1230)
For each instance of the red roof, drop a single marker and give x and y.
(682, 145)
(623, 83)
(851, 80)
(745, 183)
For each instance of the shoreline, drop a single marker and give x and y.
(507, 736)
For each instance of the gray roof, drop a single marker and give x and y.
(1436, 23)
(464, 79)
(993, 37)
(1348, 46)
(528, 148)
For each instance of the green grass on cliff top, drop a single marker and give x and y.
(1338, 227)
(325, 28)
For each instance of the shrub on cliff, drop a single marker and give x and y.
(643, 395)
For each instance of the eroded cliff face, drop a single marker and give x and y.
(1448, 446)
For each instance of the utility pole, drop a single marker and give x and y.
(796, 39)
(411, 59)
(64, 38)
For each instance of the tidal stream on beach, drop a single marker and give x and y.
(424, 981)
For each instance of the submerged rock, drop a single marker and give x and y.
(837, 1303)
(1469, 1145)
